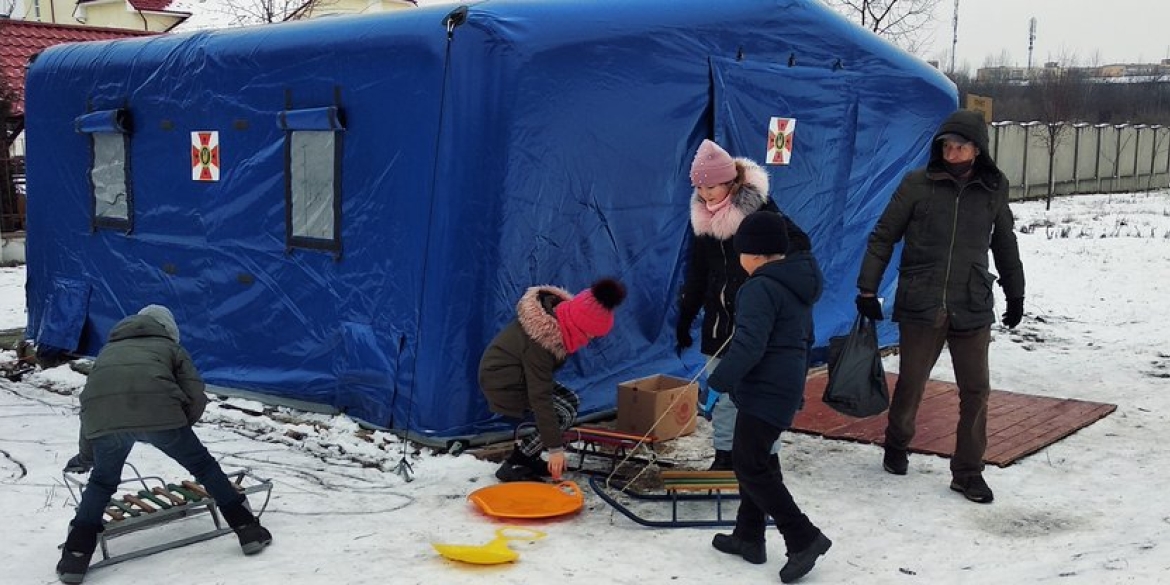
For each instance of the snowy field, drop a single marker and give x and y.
(1090, 509)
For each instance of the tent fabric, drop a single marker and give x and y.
(311, 119)
(103, 121)
(536, 143)
(66, 304)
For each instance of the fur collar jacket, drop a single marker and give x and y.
(535, 313)
(752, 195)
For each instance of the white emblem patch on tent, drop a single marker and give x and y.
(205, 156)
(780, 132)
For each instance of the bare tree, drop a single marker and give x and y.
(906, 23)
(1061, 93)
(1003, 59)
(248, 12)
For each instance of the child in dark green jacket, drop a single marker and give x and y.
(145, 388)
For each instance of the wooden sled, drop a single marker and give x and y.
(679, 486)
(612, 446)
(159, 502)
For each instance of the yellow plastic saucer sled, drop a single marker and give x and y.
(492, 553)
(529, 499)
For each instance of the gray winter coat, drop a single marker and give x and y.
(948, 227)
(142, 380)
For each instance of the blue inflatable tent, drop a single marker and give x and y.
(343, 212)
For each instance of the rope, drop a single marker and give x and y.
(404, 468)
(649, 432)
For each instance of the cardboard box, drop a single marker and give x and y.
(643, 401)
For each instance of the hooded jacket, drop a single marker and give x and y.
(142, 380)
(766, 363)
(948, 227)
(714, 274)
(516, 370)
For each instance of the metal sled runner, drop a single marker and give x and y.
(679, 486)
(159, 502)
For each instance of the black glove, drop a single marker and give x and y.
(78, 464)
(1014, 312)
(869, 307)
(682, 336)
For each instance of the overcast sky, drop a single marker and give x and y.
(1122, 30)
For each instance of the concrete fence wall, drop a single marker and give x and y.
(1102, 158)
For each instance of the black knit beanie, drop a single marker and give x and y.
(763, 233)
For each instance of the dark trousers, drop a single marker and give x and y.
(110, 453)
(761, 488)
(566, 403)
(920, 348)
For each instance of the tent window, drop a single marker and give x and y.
(311, 166)
(313, 152)
(109, 174)
(111, 190)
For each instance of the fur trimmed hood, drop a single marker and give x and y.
(752, 195)
(534, 312)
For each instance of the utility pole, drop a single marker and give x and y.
(954, 36)
(1031, 40)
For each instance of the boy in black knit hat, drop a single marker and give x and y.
(764, 371)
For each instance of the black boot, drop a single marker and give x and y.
(974, 488)
(722, 461)
(753, 552)
(538, 465)
(895, 461)
(802, 561)
(253, 537)
(77, 552)
(521, 467)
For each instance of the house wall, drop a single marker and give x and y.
(107, 14)
(46, 11)
(122, 15)
(328, 7)
(55, 11)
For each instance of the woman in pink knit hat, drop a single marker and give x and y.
(516, 370)
(726, 191)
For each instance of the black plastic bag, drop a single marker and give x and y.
(857, 381)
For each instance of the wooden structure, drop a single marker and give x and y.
(1017, 424)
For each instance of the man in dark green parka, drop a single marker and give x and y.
(948, 216)
(145, 388)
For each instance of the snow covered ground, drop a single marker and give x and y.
(1089, 509)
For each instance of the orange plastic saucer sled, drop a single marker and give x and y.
(529, 499)
(492, 553)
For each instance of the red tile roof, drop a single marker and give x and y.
(153, 5)
(21, 39)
